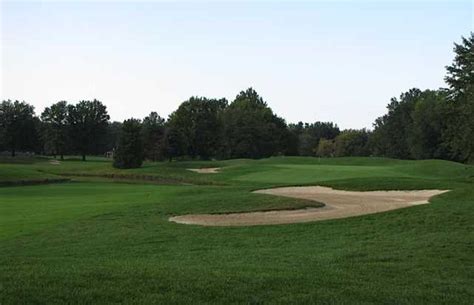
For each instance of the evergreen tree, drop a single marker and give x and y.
(153, 134)
(460, 76)
(459, 136)
(129, 153)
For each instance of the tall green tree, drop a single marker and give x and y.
(459, 135)
(295, 131)
(460, 74)
(251, 128)
(17, 126)
(425, 138)
(87, 122)
(195, 127)
(392, 130)
(153, 134)
(56, 128)
(173, 143)
(129, 152)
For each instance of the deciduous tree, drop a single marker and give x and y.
(87, 121)
(17, 126)
(56, 128)
(195, 127)
(251, 128)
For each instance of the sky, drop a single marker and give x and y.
(337, 61)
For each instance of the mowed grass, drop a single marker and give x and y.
(21, 173)
(102, 242)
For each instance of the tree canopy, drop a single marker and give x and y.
(460, 74)
(419, 124)
(17, 126)
(154, 137)
(87, 122)
(251, 129)
(55, 127)
(197, 126)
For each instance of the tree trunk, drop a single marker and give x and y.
(13, 151)
(83, 157)
(62, 157)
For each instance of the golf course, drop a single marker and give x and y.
(237, 152)
(75, 232)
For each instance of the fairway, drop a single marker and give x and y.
(105, 238)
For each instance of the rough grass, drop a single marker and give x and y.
(102, 242)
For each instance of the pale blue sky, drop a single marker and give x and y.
(311, 60)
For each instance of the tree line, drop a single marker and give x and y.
(418, 125)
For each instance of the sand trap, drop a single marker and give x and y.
(207, 170)
(54, 162)
(339, 204)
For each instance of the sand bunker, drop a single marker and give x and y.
(207, 170)
(54, 162)
(338, 204)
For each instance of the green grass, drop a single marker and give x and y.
(18, 173)
(103, 242)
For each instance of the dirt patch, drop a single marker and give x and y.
(338, 204)
(207, 170)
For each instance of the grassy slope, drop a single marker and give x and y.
(106, 242)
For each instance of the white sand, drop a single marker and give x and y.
(208, 170)
(338, 204)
